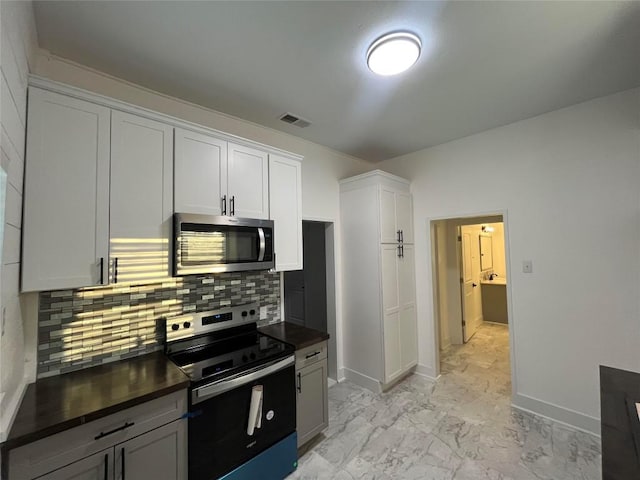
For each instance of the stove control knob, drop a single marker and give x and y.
(252, 312)
(244, 314)
(175, 327)
(244, 358)
(186, 324)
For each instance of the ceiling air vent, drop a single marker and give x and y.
(295, 120)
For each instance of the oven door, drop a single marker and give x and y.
(219, 438)
(206, 244)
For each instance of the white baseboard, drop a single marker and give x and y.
(426, 372)
(362, 380)
(331, 382)
(566, 416)
(8, 414)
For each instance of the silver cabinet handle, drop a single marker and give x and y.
(101, 270)
(224, 205)
(214, 389)
(233, 205)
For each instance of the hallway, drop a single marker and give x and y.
(459, 428)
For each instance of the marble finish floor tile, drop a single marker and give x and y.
(461, 427)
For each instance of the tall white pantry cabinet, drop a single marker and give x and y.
(380, 339)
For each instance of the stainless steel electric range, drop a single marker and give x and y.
(242, 400)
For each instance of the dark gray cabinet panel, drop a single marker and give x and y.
(98, 466)
(312, 401)
(159, 454)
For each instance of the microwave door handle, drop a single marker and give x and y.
(261, 244)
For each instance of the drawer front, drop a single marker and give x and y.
(310, 355)
(63, 448)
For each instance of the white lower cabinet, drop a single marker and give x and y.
(148, 441)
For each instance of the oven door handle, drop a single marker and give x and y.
(205, 392)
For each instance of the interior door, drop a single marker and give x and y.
(470, 280)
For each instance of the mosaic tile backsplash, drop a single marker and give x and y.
(86, 327)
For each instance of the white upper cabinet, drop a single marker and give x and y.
(214, 177)
(285, 200)
(103, 180)
(404, 216)
(200, 168)
(66, 201)
(396, 222)
(247, 182)
(141, 198)
(388, 230)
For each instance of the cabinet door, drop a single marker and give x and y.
(98, 466)
(285, 209)
(200, 169)
(404, 216)
(388, 230)
(407, 294)
(312, 413)
(390, 312)
(66, 199)
(160, 454)
(248, 182)
(141, 198)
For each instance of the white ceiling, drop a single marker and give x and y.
(485, 64)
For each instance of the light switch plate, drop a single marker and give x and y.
(263, 313)
(527, 266)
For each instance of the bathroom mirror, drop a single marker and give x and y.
(486, 253)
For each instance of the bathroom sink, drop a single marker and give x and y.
(495, 281)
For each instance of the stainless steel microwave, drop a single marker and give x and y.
(214, 244)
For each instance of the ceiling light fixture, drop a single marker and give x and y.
(393, 53)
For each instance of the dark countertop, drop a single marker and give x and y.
(296, 335)
(620, 426)
(54, 404)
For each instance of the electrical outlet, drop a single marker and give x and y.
(263, 313)
(527, 266)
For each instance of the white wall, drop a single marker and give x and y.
(574, 172)
(321, 167)
(17, 45)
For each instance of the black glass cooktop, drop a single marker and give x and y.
(213, 360)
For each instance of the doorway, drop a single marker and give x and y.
(309, 294)
(470, 293)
